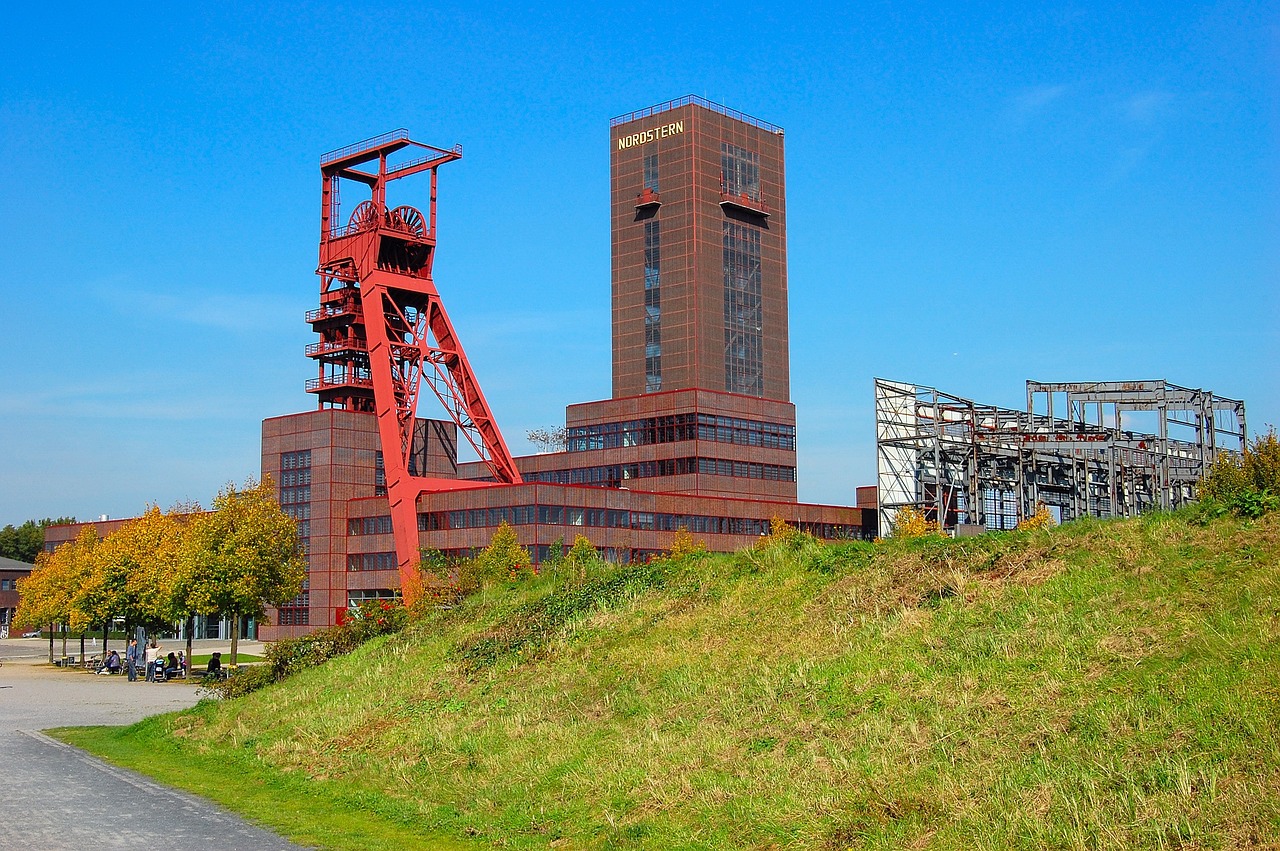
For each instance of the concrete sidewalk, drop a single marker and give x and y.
(60, 798)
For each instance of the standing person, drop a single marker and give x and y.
(153, 655)
(131, 659)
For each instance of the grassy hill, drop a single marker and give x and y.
(1098, 685)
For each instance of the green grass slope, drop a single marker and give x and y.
(1099, 685)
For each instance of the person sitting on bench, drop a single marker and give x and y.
(111, 665)
(170, 666)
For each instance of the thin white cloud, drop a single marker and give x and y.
(1034, 101)
(1146, 107)
(223, 311)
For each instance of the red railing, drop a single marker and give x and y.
(648, 198)
(329, 311)
(315, 385)
(700, 101)
(326, 346)
(744, 202)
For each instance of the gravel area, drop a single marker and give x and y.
(58, 797)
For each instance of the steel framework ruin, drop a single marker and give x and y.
(1079, 448)
(383, 327)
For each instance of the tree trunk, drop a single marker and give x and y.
(191, 625)
(105, 627)
(235, 637)
(82, 648)
(64, 641)
(50, 644)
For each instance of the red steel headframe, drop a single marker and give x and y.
(386, 256)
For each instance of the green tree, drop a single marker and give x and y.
(504, 558)
(241, 557)
(25, 542)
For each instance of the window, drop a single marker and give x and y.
(681, 427)
(369, 525)
(740, 171)
(371, 561)
(652, 307)
(651, 172)
(6, 584)
(743, 311)
(295, 492)
(379, 475)
(297, 611)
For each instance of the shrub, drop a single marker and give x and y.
(239, 682)
(288, 656)
(912, 523)
(684, 544)
(1246, 484)
(504, 558)
(1042, 519)
(781, 533)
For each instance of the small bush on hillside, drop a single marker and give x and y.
(288, 656)
(1247, 484)
(684, 544)
(911, 523)
(582, 556)
(239, 682)
(504, 558)
(1042, 519)
(781, 533)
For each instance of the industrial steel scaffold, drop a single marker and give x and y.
(384, 329)
(1078, 449)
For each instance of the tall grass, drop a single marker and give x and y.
(1099, 685)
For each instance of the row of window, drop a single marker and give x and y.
(613, 475)
(651, 172)
(293, 616)
(295, 501)
(609, 518)
(295, 496)
(299, 512)
(296, 460)
(371, 561)
(294, 478)
(680, 427)
(369, 525)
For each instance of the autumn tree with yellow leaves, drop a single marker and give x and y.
(47, 595)
(133, 574)
(240, 558)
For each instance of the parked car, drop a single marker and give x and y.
(35, 633)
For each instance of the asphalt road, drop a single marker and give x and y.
(61, 799)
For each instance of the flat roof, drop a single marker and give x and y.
(696, 101)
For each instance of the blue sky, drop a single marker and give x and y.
(975, 197)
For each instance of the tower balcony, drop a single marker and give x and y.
(648, 200)
(345, 309)
(744, 203)
(338, 382)
(336, 347)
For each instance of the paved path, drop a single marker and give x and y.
(61, 799)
